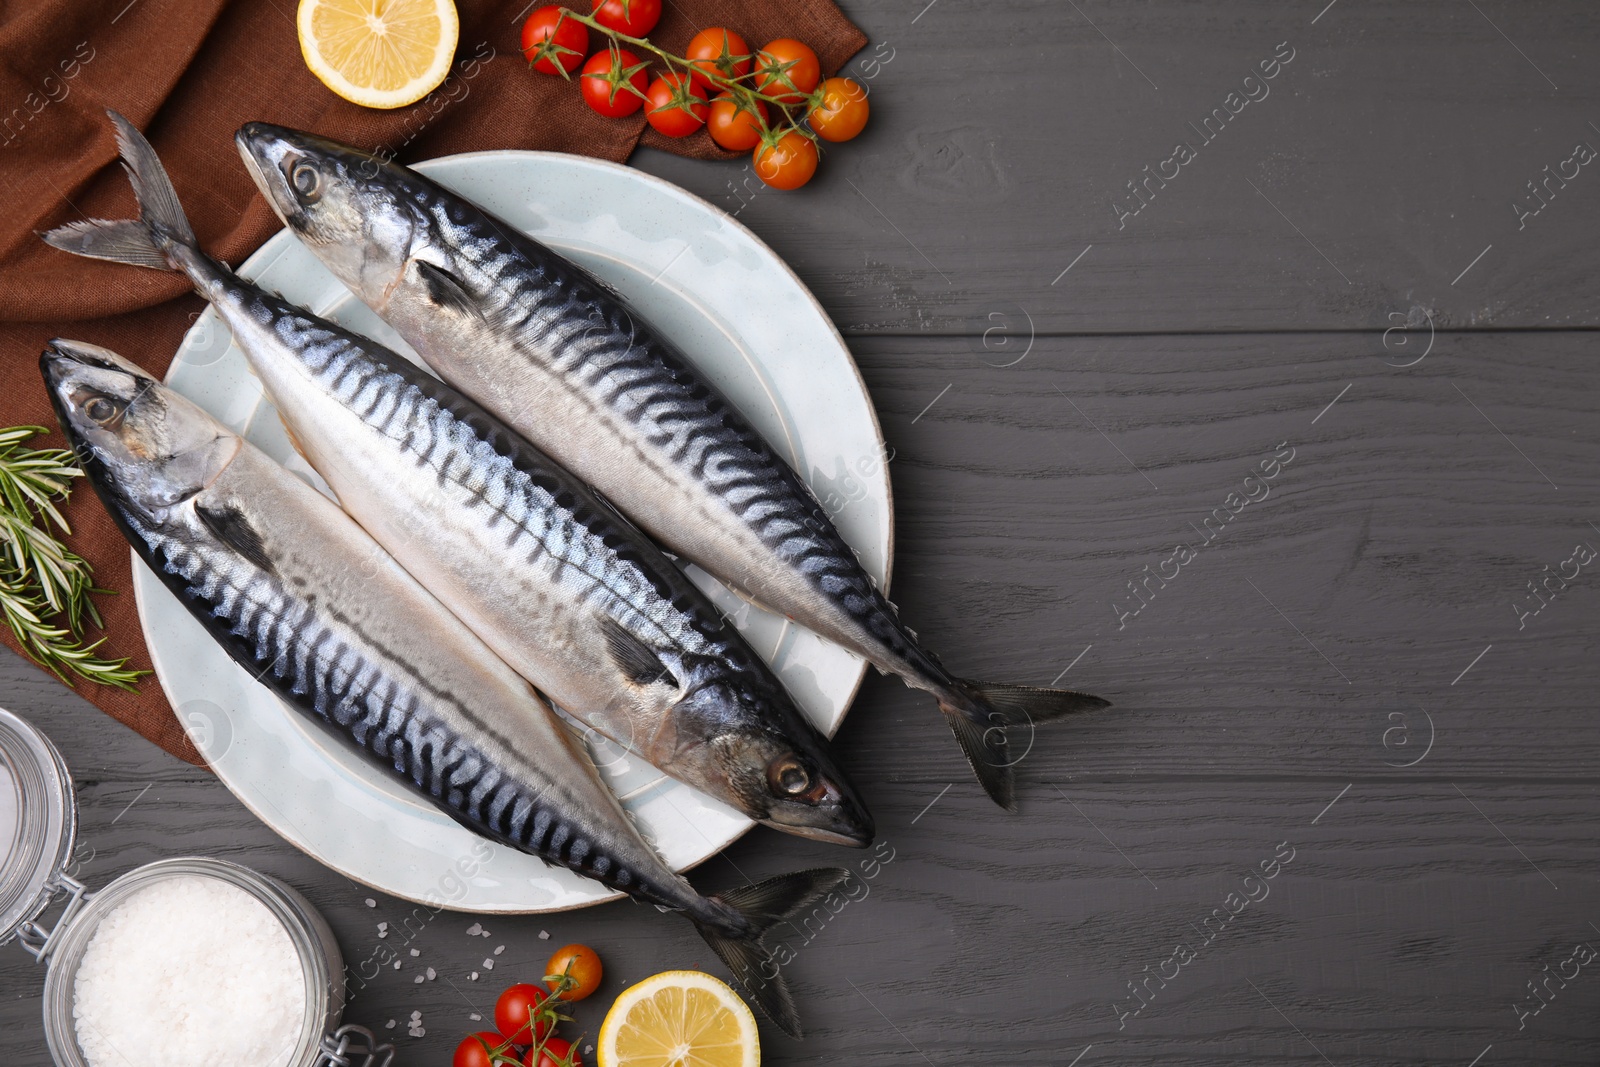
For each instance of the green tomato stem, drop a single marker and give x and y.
(744, 93)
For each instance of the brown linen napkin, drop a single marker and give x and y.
(189, 73)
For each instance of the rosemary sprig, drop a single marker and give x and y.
(45, 587)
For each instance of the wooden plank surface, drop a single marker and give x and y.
(1346, 668)
(1369, 173)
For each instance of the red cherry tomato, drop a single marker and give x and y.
(606, 91)
(632, 17)
(579, 963)
(513, 1011)
(791, 59)
(789, 163)
(843, 111)
(732, 127)
(718, 51)
(546, 24)
(554, 1054)
(676, 109)
(474, 1049)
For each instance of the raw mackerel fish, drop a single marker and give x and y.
(570, 595)
(302, 598)
(568, 364)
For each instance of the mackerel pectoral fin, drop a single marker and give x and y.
(446, 290)
(232, 528)
(633, 656)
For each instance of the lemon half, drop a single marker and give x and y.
(679, 1019)
(379, 53)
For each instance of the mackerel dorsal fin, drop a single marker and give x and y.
(230, 526)
(633, 656)
(446, 290)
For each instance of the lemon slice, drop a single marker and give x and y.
(679, 1019)
(379, 53)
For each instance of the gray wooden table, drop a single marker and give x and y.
(1344, 809)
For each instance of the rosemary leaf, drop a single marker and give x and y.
(45, 587)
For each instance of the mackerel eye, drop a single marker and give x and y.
(102, 410)
(789, 776)
(307, 181)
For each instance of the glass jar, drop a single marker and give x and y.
(38, 816)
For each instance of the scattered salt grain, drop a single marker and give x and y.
(472, 931)
(432, 974)
(397, 965)
(414, 952)
(417, 980)
(371, 903)
(544, 935)
(416, 1016)
(499, 949)
(383, 929)
(488, 965)
(473, 977)
(417, 1032)
(475, 1017)
(178, 943)
(389, 1025)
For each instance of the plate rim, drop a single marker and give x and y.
(787, 273)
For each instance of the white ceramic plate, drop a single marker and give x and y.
(744, 318)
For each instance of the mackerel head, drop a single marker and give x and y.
(563, 360)
(146, 449)
(545, 573)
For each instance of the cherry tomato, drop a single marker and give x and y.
(718, 51)
(842, 112)
(676, 109)
(604, 87)
(787, 58)
(732, 127)
(474, 1049)
(789, 163)
(513, 1010)
(632, 17)
(554, 1054)
(581, 964)
(547, 23)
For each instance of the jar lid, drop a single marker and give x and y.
(38, 822)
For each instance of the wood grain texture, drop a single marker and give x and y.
(1384, 158)
(1350, 669)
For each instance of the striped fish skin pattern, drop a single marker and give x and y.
(301, 598)
(548, 576)
(565, 362)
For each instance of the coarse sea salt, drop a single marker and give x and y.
(189, 972)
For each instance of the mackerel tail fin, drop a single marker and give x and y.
(161, 224)
(980, 723)
(762, 906)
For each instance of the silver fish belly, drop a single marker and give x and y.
(571, 596)
(305, 601)
(563, 360)
(299, 595)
